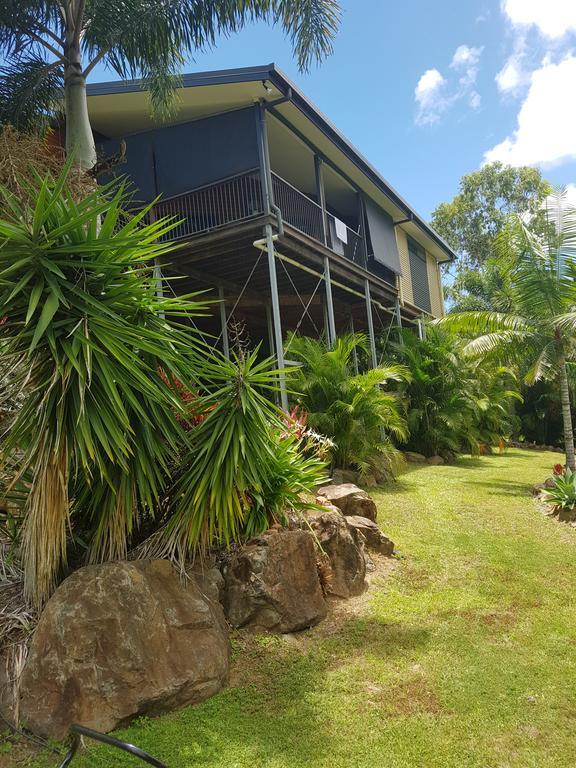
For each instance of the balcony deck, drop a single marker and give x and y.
(238, 199)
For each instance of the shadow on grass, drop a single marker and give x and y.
(278, 718)
(504, 488)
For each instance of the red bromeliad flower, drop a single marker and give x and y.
(193, 416)
(558, 469)
(296, 423)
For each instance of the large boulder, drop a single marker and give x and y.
(375, 539)
(340, 476)
(414, 458)
(343, 545)
(272, 582)
(349, 499)
(119, 640)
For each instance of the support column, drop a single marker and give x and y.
(224, 323)
(371, 336)
(277, 321)
(321, 195)
(354, 352)
(329, 304)
(159, 284)
(399, 322)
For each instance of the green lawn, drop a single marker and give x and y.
(465, 655)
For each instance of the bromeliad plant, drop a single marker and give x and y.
(562, 496)
(86, 332)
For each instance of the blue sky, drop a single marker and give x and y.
(428, 91)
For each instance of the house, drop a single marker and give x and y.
(280, 217)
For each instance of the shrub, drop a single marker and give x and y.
(562, 495)
(356, 411)
(454, 403)
(240, 470)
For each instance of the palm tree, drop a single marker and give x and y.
(540, 332)
(355, 411)
(453, 402)
(52, 46)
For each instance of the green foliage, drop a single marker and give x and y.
(357, 412)
(87, 332)
(480, 210)
(136, 38)
(463, 655)
(239, 473)
(453, 403)
(485, 288)
(563, 495)
(110, 379)
(539, 332)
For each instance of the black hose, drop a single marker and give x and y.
(79, 730)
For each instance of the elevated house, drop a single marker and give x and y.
(281, 218)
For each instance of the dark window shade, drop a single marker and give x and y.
(419, 275)
(382, 237)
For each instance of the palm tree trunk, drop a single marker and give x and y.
(79, 137)
(567, 416)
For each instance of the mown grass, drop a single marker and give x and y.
(465, 655)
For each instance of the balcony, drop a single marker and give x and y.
(239, 198)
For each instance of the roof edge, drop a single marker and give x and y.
(275, 75)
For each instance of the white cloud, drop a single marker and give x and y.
(435, 93)
(475, 100)
(545, 132)
(464, 56)
(553, 18)
(511, 77)
(427, 95)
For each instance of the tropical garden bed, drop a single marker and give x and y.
(462, 654)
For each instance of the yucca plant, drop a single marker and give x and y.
(357, 412)
(240, 471)
(82, 320)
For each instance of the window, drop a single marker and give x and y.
(419, 275)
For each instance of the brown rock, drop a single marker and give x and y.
(414, 458)
(349, 499)
(119, 640)
(340, 476)
(344, 547)
(272, 582)
(435, 461)
(374, 537)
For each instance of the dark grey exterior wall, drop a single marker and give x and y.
(178, 158)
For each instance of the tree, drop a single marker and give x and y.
(52, 46)
(86, 333)
(480, 210)
(540, 331)
(480, 288)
